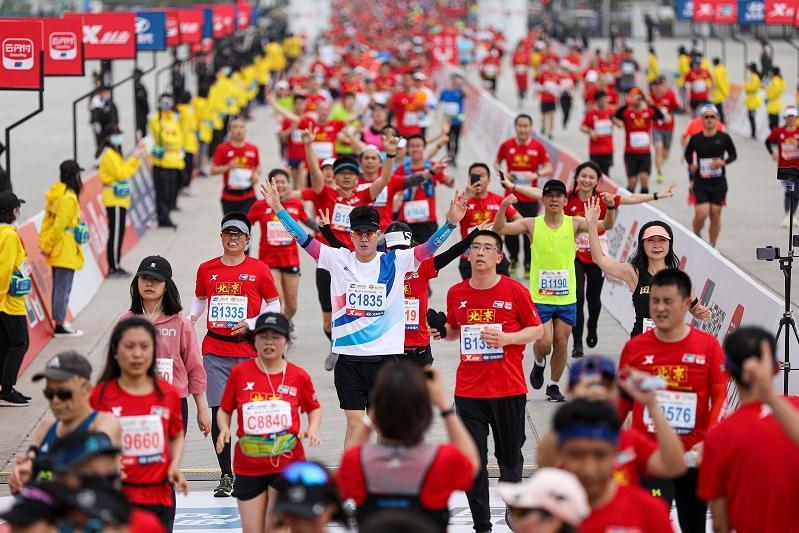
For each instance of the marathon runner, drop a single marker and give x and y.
(525, 160)
(368, 319)
(691, 363)
(552, 275)
(637, 119)
(598, 125)
(547, 83)
(787, 156)
(239, 163)
(267, 393)
(149, 412)
(708, 153)
(452, 104)
(493, 318)
(405, 104)
(699, 82)
(590, 429)
(521, 70)
(239, 288)
(663, 97)
(291, 130)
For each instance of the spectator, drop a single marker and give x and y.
(167, 159)
(753, 100)
(142, 104)
(102, 113)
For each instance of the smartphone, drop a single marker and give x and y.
(474, 178)
(402, 143)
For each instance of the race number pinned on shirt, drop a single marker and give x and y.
(382, 197)
(322, 150)
(277, 234)
(679, 409)
(340, 220)
(165, 368)
(490, 70)
(474, 349)
(365, 299)
(266, 418)
(226, 311)
(416, 211)
(553, 282)
(699, 86)
(583, 244)
(296, 135)
(706, 169)
(521, 69)
(451, 109)
(603, 128)
(410, 118)
(639, 139)
(142, 436)
(648, 325)
(789, 151)
(411, 314)
(240, 178)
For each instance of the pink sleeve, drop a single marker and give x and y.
(192, 358)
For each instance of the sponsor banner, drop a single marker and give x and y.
(21, 53)
(108, 35)
(444, 48)
(208, 23)
(243, 15)
(172, 28)
(726, 12)
(780, 12)
(685, 9)
(224, 19)
(751, 12)
(151, 30)
(63, 47)
(191, 25)
(704, 10)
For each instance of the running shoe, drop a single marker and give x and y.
(225, 487)
(554, 395)
(15, 391)
(591, 338)
(660, 178)
(65, 330)
(537, 375)
(330, 361)
(9, 399)
(577, 351)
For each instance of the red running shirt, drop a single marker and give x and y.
(406, 112)
(277, 248)
(637, 126)
(787, 146)
(384, 203)
(601, 122)
(631, 510)
(421, 207)
(295, 149)
(700, 82)
(632, 457)
(324, 143)
(549, 82)
(744, 462)
(248, 392)
(245, 160)
(525, 157)
(668, 104)
(691, 368)
(148, 422)
(575, 207)
(486, 372)
(481, 210)
(339, 206)
(234, 293)
(415, 289)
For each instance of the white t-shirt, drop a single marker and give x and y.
(368, 300)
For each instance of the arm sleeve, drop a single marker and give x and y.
(453, 252)
(732, 155)
(413, 180)
(658, 113)
(311, 224)
(330, 237)
(619, 114)
(689, 151)
(423, 251)
(198, 306)
(308, 243)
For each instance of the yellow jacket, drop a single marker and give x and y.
(12, 256)
(56, 238)
(653, 69)
(262, 70)
(292, 47)
(167, 140)
(205, 122)
(721, 84)
(752, 88)
(216, 106)
(113, 169)
(276, 57)
(187, 119)
(683, 67)
(774, 91)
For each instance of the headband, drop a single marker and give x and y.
(589, 431)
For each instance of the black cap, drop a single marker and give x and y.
(78, 447)
(110, 129)
(44, 500)
(305, 489)
(9, 201)
(346, 162)
(156, 267)
(600, 94)
(238, 221)
(70, 167)
(364, 218)
(64, 365)
(107, 504)
(554, 185)
(272, 321)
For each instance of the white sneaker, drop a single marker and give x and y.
(786, 221)
(795, 222)
(65, 330)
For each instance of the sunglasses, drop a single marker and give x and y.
(62, 394)
(517, 513)
(233, 235)
(706, 117)
(306, 474)
(367, 234)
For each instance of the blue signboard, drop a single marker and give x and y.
(751, 12)
(151, 30)
(685, 9)
(208, 23)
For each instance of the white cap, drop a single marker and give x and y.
(282, 84)
(369, 147)
(419, 76)
(556, 491)
(790, 111)
(328, 161)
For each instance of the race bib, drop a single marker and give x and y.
(340, 219)
(474, 349)
(522, 178)
(296, 135)
(322, 150)
(648, 325)
(411, 314)
(365, 299)
(410, 118)
(142, 435)
(790, 151)
(416, 211)
(277, 234)
(266, 418)
(639, 139)
(521, 69)
(553, 282)
(583, 244)
(679, 408)
(603, 127)
(627, 68)
(164, 367)
(490, 70)
(226, 311)
(706, 170)
(451, 109)
(240, 178)
(550, 86)
(699, 86)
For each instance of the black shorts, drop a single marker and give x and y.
(323, 290)
(419, 355)
(293, 270)
(696, 104)
(605, 161)
(713, 191)
(295, 163)
(548, 107)
(635, 164)
(354, 376)
(248, 487)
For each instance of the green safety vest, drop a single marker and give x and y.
(552, 278)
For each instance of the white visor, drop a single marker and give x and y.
(398, 238)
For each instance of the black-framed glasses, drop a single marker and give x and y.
(517, 513)
(62, 394)
(477, 247)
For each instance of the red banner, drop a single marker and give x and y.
(726, 12)
(705, 10)
(21, 51)
(108, 35)
(223, 19)
(63, 47)
(444, 48)
(243, 15)
(780, 12)
(172, 28)
(191, 25)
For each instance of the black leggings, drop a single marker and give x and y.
(566, 106)
(589, 286)
(752, 126)
(691, 510)
(116, 234)
(222, 458)
(526, 209)
(184, 413)
(454, 143)
(13, 345)
(773, 121)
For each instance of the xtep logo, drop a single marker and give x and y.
(189, 27)
(782, 9)
(92, 35)
(704, 9)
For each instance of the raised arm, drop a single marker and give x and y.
(503, 227)
(285, 113)
(317, 178)
(457, 210)
(640, 198)
(608, 265)
(390, 145)
(308, 243)
(525, 190)
(456, 250)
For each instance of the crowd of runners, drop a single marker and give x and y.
(368, 140)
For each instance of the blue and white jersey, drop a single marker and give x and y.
(451, 102)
